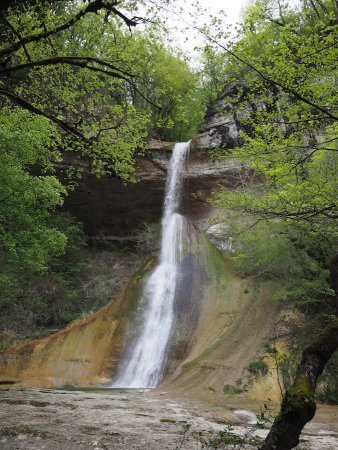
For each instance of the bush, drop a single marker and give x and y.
(258, 368)
(31, 299)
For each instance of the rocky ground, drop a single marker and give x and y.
(153, 420)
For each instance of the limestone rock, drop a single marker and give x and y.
(112, 210)
(222, 322)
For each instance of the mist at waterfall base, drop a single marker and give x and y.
(144, 364)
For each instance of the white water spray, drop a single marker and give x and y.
(146, 362)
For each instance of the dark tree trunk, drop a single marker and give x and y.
(298, 404)
(334, 279)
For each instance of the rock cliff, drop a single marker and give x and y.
(222, 322)
(112, 210)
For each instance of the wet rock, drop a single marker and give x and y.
(147, 421)
(113, 211)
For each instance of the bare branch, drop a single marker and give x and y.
(17, 34)
(70, 60)
(306, 214)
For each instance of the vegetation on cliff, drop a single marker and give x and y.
(285, 61)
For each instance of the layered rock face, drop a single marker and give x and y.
(221, 127)
(112, 210)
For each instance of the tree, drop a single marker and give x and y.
(75, 78)
(26, 200)
(285, 59)
(50, 69)
(105, 94)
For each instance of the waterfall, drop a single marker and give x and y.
(144, 365)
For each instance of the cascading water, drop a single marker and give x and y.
(146, 362)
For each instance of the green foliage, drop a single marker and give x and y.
(219, 439)
(258, 367)
(284, 217)
(27, 241)
(45, 298)
(88, 89)
(39, 248)
(285, 60)
(238, 388)
(177, 90)
(213, 439)
(109, 94)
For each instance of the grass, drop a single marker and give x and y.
(24, 429)
(166, 420)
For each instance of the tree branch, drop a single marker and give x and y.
(264, 77)
(307, 214)
(92, 7)
(261, 74)
(30, 107)
(83, 62)
(10, 26)
(274, 82)
(298, 405)
(80, 61)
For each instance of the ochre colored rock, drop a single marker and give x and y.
(222, 323)
(84, 353)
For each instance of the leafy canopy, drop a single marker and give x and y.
(286, 60)
(283, 216)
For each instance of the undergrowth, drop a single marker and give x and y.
(229, 437)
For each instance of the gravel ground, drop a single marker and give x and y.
(36, 419)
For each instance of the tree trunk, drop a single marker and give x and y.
(334, 279)
(298, 405)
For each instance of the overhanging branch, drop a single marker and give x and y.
(84, 63)
(30, 107)
(92, 7)
(306, 214)
(80, 61)
(272, 81)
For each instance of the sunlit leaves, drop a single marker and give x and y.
(26, 240)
